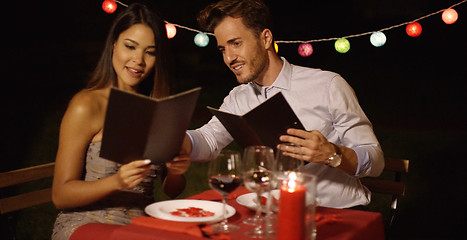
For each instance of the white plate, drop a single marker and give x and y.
(249, 200)
(163, 210)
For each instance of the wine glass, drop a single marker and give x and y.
(224, 175)
(284, 165)
(258, 163)
(285, 162)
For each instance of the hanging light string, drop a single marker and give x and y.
(123, 4)
(324, 39)
(305, 49)
(371, 32)
(195, 30)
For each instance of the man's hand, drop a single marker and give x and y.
(179, 165)
(313, 146)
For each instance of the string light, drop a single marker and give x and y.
(109, 6)
(342, 45)
(449, 16)
(378, 39)
(414, 29)
(171, 30)
(201, 40)
(305, 49)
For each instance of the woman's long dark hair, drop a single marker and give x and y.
(104, 74)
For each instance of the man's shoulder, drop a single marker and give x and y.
(302, 71)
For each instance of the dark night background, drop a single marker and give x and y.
(412, 89)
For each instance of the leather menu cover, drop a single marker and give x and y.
(139, 127)
(263, 125)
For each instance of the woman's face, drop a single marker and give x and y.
(134, 56)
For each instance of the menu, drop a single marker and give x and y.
(139, 127)
(263, 125)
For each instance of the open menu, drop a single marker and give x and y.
(263, 125)
(139, 127)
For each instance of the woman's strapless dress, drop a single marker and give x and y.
(117, 208)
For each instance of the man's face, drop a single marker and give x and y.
(241, 49)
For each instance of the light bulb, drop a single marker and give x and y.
(109, 6)
(305, 49)
(342, 45)
(201, 40)
(449, 16)
(414, 29)
(378, 39)
(171, 30)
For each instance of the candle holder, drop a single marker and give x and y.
(297, 206)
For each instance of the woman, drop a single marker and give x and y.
(133, 60)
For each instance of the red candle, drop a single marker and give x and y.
(291, 216)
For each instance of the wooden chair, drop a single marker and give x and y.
(29, 199)
(394, 187)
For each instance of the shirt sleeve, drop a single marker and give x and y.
(354, 129)
(208, 140)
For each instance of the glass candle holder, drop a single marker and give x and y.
(297, 206)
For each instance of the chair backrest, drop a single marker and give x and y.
(25, 175)
(394, 187)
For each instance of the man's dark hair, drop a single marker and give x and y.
(254, 13)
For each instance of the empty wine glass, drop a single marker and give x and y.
(224, 175)
(258, 164)
(286, 163)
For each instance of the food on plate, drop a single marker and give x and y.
(192, 212)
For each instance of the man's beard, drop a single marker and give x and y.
(257, 66)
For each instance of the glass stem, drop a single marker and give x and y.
(260, 207)
(224, 203)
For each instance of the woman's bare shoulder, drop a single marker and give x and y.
(90, 100)
(88, 103)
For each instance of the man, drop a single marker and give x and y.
(339, 145)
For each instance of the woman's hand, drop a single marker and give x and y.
(131, 174)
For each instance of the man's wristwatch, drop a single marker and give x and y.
(335, 159)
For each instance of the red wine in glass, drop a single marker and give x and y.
(224, 176)
(225, 184)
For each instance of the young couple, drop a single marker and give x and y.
(338, 143)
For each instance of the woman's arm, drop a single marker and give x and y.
(81, 122)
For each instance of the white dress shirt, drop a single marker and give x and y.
(322, 101)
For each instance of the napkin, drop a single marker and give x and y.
(212, 195)
(321, 219)
(190, 228)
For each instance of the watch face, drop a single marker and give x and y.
(335, 160)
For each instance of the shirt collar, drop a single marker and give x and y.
(282, 81)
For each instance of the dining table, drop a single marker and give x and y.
(331, 223)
